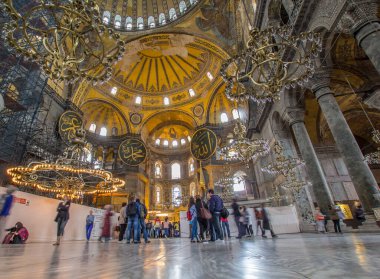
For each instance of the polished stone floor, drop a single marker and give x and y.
(289, 256)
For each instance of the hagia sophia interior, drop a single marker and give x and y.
(271, 102)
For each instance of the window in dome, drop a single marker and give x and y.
(117, 22)
(176, 171)
(114, 131)
(128, 23)
(166, 143)
(191, 92)
(182, 7)
(183, 141)
(224, 117)
(162, 19)
(235, 114)
(189, 138)
(172, 14)
(106, 17)
(140, 23)
(103, 131)
(151, 22)
(138, 100)
(175, 143)
(114, 90)
(166, 101)
(92, 128)
(158, 141)
(209, 75)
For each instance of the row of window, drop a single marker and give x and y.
(174, 143)
(175, 169)
(224, 116)
(103, 130)
(151, 21)
(176, 193)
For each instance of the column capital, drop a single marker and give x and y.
(294, 115)
(320, 83)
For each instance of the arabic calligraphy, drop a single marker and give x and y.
(132, 151)
(203, 144)
(69, 123)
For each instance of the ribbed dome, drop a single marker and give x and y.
(135, 15)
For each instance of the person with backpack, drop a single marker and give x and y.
(133, 220)
(122, 221)
(143, 212)
(215, 206)
(359, 214)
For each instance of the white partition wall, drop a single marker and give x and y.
(284, 219)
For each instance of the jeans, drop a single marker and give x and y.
(260, 226)
(143, 228)
(239, 226)
(61, 223)
(157, 230)
(337, 226)
(226, 229)
(123, 227)
(133, 221)
(89, 230)
(202, 227)
(194, 230)
(215, 227)
(166, 232)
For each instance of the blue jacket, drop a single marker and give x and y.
(7, 206)
(193, 211)
(215, 204)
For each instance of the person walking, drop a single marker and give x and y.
(259, 218)
(157, 227)
(266, 223)
(245, 221)
(237, 215)
(335, 218)
(165, 227)
(176, 229)
(62, 218)
(6, 202)
(215, 206)
(341, 216)
(89, 225)
(226, 227)
(359, 214)
(199, 203)
(320, 220)
(122, 221)
(194, 226)
(106, 230)
(142, 216)
(132, 212)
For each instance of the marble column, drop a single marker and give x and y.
(361, 175)
(314, 169)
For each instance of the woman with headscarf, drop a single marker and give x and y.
(62, 218)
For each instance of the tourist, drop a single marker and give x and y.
(107, 222)
(266, 222)
(6, 202)
(225, 227)
(122, 221)
(215, 205)
(237, 215)
(17, 234)
(149, 229)
(245, 221)
(259, 218)
(359, 214)
(142, 216)
(62, 218)
(89, 224)
(193, 221)
(176, 229)
(157, 227)
(199, 203)
(170, 229)
(165, 227)
(341, 216)
(132, 212)
(320, 220)
(335, 218)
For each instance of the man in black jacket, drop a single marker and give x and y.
(237, 215)
(215, 206)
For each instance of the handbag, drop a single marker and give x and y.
(205, 213)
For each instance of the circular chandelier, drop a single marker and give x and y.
(282, 164)
(66, 38)
(275, 59)
(374, 157)
(242, 148)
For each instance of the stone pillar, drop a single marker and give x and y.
(362, 177)
(362, 22)
(314, 169)
(114, 164)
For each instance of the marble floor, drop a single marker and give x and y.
(289, 256)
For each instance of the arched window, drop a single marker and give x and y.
(117, 22)
(128, 23)
(172, 14)
(166, 101)
(162, 19)
(166, 143)
(114, 131)
(151, 22)
(235, 114)
(106, 17)
(158, 194)
(114, 90)
(224, 117)
(191, 92)
(176, 195)
(239, 181)
(209, 75)
(140, 23)
(183, 141)
(158, 141)
(158, 170)
(174, 143)
(92, 128)
(176, 171)
(182, 7)
(191, 166)
(193, 191)
(138, 100)
(103, 131)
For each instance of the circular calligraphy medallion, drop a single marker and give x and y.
(132, 151)
(69, 123)
(203, 144)
(135, 118)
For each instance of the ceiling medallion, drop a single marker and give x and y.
(132, 151)
(374, 157)
(203, 144)
(242, 148)
(135, 118)
(282, 164)
(275, 59)
(198, 110)
(66, 38)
